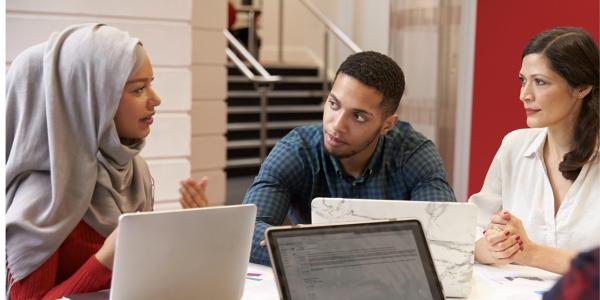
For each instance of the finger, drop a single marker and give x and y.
(204, 200)
(506, 261)
(189, 184)
(496, 232)
(201, 200)
(492, 228)
(263, 243)
(507, 253)
(186, 182)
(494, 237)
(184, 194)
(197, 195)
(200, 188)
(501, 246)
(183, 204)
(505, 214)
(186, 198)
(489, 226)
(498, 219)
(203, 183)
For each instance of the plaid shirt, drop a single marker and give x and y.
(405, 165)
(581, 281)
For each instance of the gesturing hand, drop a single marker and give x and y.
(193, 193)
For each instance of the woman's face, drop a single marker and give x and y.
(136, 108)
(548, 99)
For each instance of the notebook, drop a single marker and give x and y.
(184, 254)
(373, 260)
(450, 228)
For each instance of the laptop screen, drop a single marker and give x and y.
(383, 260)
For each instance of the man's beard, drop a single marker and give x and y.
(355, 150)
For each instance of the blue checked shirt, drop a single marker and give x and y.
(405, 165)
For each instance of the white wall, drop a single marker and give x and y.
(365, 22)
(209, 91)
(166, 29)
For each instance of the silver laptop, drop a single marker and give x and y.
(184, 254)
(449, 227)
(372, 260)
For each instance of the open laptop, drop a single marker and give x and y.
(449, 227)
(184, 254)
(372, 260)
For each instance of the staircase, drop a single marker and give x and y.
(294, 101)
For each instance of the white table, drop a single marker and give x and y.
(489, 283)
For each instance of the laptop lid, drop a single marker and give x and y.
(375, 260)
(449, 227)
(183, 254)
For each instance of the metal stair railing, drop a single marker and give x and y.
(330, 27)
(263, 83)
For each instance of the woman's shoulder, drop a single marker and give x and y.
(524, 136)
(523, 141)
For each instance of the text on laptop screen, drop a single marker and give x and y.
(355, 262)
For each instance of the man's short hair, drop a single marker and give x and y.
(379, 72)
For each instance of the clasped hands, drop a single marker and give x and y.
(507, 241)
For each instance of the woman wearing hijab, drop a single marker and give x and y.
(78, 109)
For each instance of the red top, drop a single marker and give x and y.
(72, 269)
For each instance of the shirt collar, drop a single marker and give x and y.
(537, 144)
(372, 166)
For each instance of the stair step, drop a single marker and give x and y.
(271, 125)
(243, 162)
(279, 94)
(276, 109)
(280, 70)
(240, 144)
(277, 86)
(294, 101)
(284, 79)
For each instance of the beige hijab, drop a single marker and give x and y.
(64, 159)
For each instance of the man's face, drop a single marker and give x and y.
(353, 119)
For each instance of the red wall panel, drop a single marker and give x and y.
(503, 29)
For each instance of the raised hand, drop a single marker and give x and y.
(192, 193)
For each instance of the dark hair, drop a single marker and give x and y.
(379, 72)
(573, 54)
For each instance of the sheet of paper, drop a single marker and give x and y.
(516, 282)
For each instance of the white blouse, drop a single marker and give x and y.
(517, 181)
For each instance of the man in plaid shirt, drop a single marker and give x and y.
(360, 151)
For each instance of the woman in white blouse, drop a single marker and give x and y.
(539, 203)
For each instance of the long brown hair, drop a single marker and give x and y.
(574, 55)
